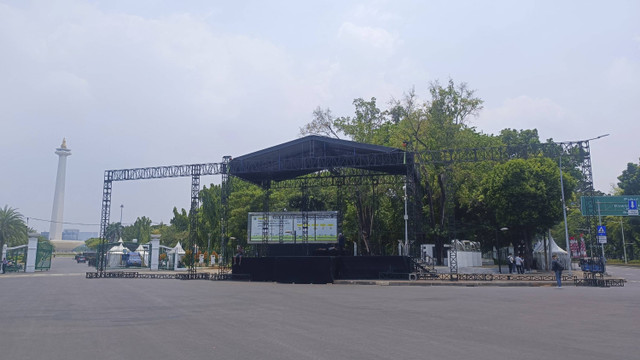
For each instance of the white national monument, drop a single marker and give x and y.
(55, 231)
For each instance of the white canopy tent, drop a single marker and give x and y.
(144, 254)
(177, 253)
(114, 255)
(552, 249)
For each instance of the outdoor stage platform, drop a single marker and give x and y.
(320, 269)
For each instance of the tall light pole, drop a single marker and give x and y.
(405, 144)
(564, 213)
(600, 224)
(599, 219)
(503, 229)
(624, 246)
(406, 219)
(121, 207)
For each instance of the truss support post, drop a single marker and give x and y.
(451, 233)
(587, 174)
(193, 214)
(305, 213)
(414, 207)
(266, 217)
(225, 188)
(101, 255)
(340, 203)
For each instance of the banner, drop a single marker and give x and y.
(575, 248)
(583, 247)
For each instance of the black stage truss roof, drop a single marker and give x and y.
(316, 153)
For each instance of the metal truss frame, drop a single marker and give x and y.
(158, 172)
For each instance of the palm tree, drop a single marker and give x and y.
(113, 232)
(12, 227)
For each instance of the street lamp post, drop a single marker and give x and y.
(564, 214)
(233, 239)
(624, 246)
(121, 207)
(406, 219)
(503, 229)
(209, 245)
(405, 144)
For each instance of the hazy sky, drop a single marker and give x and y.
(148, 83)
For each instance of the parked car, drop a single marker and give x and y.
(81, 259)
(134, 259)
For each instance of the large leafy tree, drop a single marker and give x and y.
(371, 125)
(140, 230)
(629, 180)
(628, 184)
(442, 122)
(524, 195)
(13, 230)
(368, 125)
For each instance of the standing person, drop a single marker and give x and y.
(519, 264)
(511, 263)
(4, 265)
(557, 268)
(340, 243)
(237, 259)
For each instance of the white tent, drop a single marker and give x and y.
(539, 254)
(178, 253)
(144, 254)
(114, 255)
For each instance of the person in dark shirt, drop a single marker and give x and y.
(340, 242)
(557, 268)
(237, 259)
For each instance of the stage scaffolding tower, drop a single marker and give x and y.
(225, 191)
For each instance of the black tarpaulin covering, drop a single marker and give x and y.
(315, 153)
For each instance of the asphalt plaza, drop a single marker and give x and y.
(61, 315)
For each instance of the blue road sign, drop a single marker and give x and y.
(602, 230)
(633, 207)
(602, 234)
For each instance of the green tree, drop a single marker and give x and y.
(323, 123)
(368, 125)
(13, 230)
(442, 122)
(144, 225)
(93, 243)
(629, 184)
(114, 232)
(629, 180)
(525, 196)
(180, 220)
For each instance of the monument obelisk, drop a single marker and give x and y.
(55, 231)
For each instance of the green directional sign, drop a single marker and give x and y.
(609, 205)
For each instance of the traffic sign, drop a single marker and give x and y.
(602, 234)
(602, 230)
(633, 207)
(609, 205)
